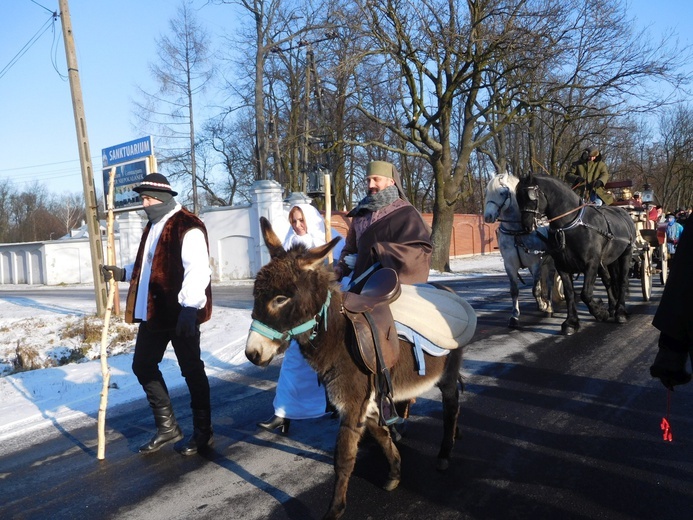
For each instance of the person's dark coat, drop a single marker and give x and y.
(674, 316)
(400, 240)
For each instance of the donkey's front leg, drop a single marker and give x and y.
(384, 439)
(350, 432)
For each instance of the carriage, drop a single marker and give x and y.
(650, 255)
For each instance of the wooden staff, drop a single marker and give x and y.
(328, 214)
(105, 371)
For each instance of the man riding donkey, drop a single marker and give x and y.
(386, 231)
(590, 176)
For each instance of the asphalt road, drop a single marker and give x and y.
(552, 427)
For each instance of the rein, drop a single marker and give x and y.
(270, 333)
(582, 206)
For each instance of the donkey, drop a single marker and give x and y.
(298, 294)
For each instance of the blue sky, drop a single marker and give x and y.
(115, 42)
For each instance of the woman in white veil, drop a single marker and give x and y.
(299, 394)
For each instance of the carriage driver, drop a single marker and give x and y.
(590, 176)
(387, 231)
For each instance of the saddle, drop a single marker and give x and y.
(375, 344)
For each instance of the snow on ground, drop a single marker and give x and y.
(32, 399)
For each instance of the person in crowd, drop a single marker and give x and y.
(299, 394)
(655, 214)
(674, 319)
(682, 216)
(590, 176)
(673, 233)
(169, 296)
(636, 201)
(386, 231)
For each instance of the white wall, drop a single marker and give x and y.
(236, 248)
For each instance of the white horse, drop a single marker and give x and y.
(518, 248)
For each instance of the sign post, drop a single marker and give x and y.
(132, 160)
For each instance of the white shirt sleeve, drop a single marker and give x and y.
(197, 272)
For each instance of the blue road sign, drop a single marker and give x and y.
(127, 152)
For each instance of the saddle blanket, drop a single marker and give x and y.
(441, 317)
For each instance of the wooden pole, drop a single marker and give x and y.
(328, 214)
(105, 371)
(110, 247)
(91, 212)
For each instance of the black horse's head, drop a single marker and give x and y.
(531, 200)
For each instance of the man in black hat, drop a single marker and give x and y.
(170, 295)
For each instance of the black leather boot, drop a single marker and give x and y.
(167, 430)
(276, 423)
(202, 436)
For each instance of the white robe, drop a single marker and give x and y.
(299, 396)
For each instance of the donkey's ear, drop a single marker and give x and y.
(314, 257)
(271, 240)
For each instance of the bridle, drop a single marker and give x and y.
(533, 193)
(270, 333)
(502, 204)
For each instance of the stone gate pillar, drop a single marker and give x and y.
(266, 201)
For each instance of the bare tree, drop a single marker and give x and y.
(182, 71)
(68, 210)
(465, 73)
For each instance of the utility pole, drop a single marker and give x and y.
(92, 215)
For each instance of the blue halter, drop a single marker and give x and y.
(272, 334)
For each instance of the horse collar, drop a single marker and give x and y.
(269, 332)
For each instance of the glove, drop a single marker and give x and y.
(597, 184)
(112, 272)
(350, 260)
(187, 322)
(578, 182)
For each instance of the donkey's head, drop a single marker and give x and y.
(290, 294)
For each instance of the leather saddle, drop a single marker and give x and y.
(372, 321)
(375, 345)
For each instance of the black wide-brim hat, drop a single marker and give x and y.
(155, 182)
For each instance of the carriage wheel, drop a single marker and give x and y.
(646, 274)
(664, 272)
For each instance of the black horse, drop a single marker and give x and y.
(583, 238)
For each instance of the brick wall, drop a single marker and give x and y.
(470, 234)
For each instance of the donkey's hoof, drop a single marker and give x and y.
(514, 323)
(442, 464)
(391, 484)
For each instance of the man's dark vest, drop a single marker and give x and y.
(167, 273)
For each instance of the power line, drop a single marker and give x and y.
(27, 46)
(35, 2)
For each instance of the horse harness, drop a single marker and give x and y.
(519, 244)
(576, 222)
